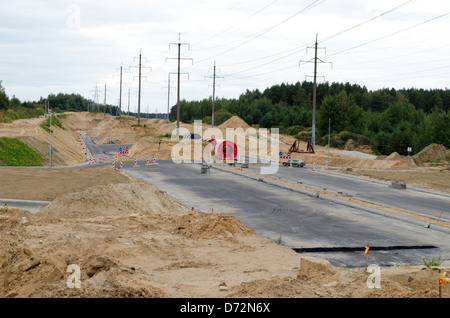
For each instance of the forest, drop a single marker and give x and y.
(388, 120)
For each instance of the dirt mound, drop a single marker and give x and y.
(157, 248)
(67, 146)
(394, 156)
(234, 122)
(433, 151)
(212, 225)
(107, 200)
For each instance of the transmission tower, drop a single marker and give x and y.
(179, 44)
(96, 93)
(214, 93)
(168, 92)
(314, 60)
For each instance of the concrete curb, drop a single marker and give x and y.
(421, 223)
(24, 204)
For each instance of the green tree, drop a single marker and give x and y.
(4, 101)
(344, 113)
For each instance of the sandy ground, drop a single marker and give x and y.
(130, 239)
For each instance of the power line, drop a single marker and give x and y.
(389, 35)
(300, 48)
(235, 25)
(262, 32)
(367, 21)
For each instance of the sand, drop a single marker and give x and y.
(130, 239)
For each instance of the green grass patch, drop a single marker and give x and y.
(125, 117)
(55, 122)
(14, 152)
(164, 136)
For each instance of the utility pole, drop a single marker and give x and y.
(179, 44)
(120, 93)
(139, 93)
(104, 103)
(87, 128)
(119, 110)
(168, 94)
(50, 154)
(214, 94)
(128, 101)
(314, 93)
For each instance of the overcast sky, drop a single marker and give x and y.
(77, 46)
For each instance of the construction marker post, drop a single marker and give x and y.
(113, 164)
(367, 257)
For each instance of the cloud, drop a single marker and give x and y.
(72, 46)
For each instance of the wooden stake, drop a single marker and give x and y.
(367, 257)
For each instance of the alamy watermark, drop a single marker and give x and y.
(249, 146)
(74, 279)
(374, 279)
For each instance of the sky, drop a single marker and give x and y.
(50, 47)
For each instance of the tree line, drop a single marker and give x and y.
(387, 119)
(12, 108)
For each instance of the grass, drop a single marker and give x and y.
(55, 122)
(9, 115)
(14, 152)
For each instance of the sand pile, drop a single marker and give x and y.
(435, 152)
(197, 226)
(110, 200)
(234, 122)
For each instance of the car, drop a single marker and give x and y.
(294, 163)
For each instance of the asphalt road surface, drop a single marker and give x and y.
(311, 225)
(307, 224)
(429, 204)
